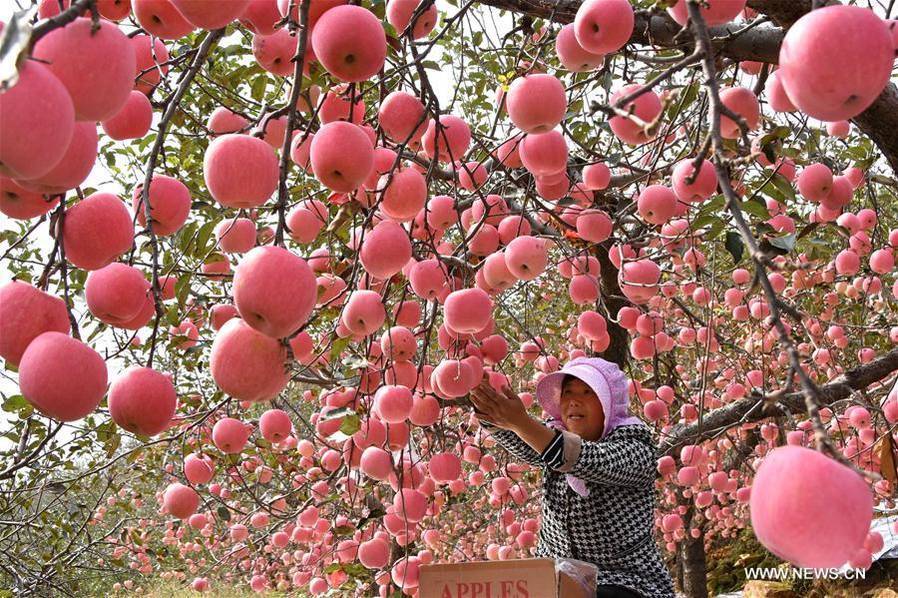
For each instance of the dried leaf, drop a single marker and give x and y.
(14, 41)
(887, 460)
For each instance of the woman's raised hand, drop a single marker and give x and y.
(503, 409)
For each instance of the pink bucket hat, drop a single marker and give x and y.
(605, 379)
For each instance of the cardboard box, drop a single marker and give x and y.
(522, 578)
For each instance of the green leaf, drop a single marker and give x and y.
(713, 205)
(786, 242)
(336, 414)
(258, 87)
(704, 220)
(203, 237)
(343, 530)
(734, 245)
(14, 403)
(783, 186)
(182, 288)
(351, 424)
(756, 208)
(224, 513)
(112, 443)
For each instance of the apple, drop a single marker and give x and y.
(246, 364)
(274, 291)
(64, 398)
(37, 122)
(142, 400)
(25, 313)
(96, 66)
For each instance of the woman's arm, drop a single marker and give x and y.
(625, 460)
(507, 418)
(512, 443)
(537, 435)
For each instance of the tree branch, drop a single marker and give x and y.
(173, 105)
(761, 44)
(757, 407)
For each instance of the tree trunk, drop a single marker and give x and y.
(692, 572)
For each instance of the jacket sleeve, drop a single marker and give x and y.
(513, 443)
(623, 461)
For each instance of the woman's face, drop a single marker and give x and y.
(581, 410)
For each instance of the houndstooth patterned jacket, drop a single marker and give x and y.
(612, 527)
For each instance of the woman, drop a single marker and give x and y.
(599, 472)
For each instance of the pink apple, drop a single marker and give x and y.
(274, 291)
(544, 154)
(75, 165)
(716, 12)
(180, 501)
(400, 12)
(404, 193)
(776, 94)
(350, 43)
(452, 141)
(536, 103)
(467, 310)
(114, 10)
(261, 16)
(526, 257)
(223, 121)
(151, 61)
(211, 15)
(386, 249)
(161, 18)
(275, 425)
(142, 400)
(95, 64)
(604, 26)
(22, 204)
(363, 313)
(401, 115)
(743, 102)
(815, 182)
(169, 204)
(835, 61)
(572, 55)
(788, 501)
(596, 177)
(64, 398)
(704, 185)
(657, 204)
(341, 156)
(199, 469)
(275, 52)
(25, 313)
(37, 122)
(639, 280)
(97, 230)
(132, 121)
(646, 107)
(116, 293)
(230, 435)
(393, 403)
(240, 171)
(246, 364)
